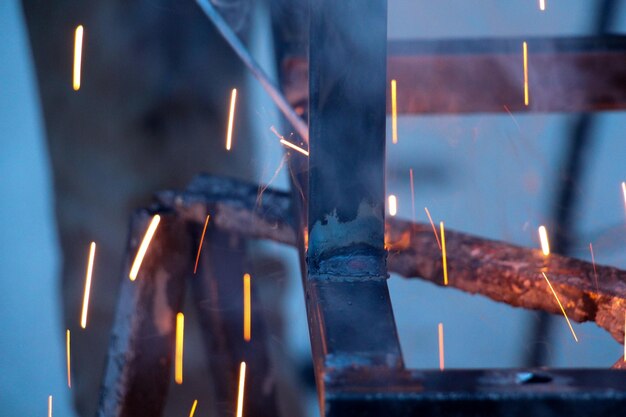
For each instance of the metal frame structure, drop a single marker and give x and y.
(338, 203)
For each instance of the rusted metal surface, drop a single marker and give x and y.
(138, 369)
(504, 272)
(485, 75)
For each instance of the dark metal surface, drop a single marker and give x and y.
(484, 75)
(137, 374)
(477, 393)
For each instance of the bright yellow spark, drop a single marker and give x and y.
(294, 147)
(49, 405)
(443, 254)
(92, 255)
(432, 224)
(242, 383)
(393, 205)
(593, 262)
(206, 223)
(440, 331)
(525, 74)
(145, 243)
(287, 143)
(231, 119)
(561, 305)
(68, 357)
(624, 192)
(543, 238)
(78, 56)
(542, 5)
(394, 113)
(180, 335)
(412, 194)
(247, 311)
(193, 408)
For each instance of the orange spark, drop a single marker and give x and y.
(440, 331)
(78, 54)
(92, 255)
(193, 408)
(231, 119)
(542, 5)
(412, 194)
(525, 74)
(561, 305)
(433, 226)
(242, 382)
(593, 262)
(145, 243)
(294, 147)
(287, 143)
(394, 113)
(247, 321)
(49, 405)
(543, 238)
(68, 356)
(180, 334)
(443, 255)
(206, 223)
(393, 205)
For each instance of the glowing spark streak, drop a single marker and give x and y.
(78, 54)
(295, 147)
(206, 223)
(542, 5)
(624, 192)
(393, 205)
(68, 355)
(412, 194)
(525, 74)
(231, 119)
(287, 143)
(92, 255)
(247, 311)
(49, 405)
(593, 262)
(242, 383)
(394, 113)
(433, 226)
(625, 336)
(443, 255)
(193, 408)
(145, 243)
(561, 305)
(543, 238)
(180, 334)
(440, 331)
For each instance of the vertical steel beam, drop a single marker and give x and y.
(351, 322)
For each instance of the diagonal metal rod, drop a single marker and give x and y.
(242, 52)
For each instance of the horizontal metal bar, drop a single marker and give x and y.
(476, 393)
(486, 75)
(502, 271)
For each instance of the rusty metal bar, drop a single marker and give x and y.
(501, 271)
(484, 75)
(137, 374)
